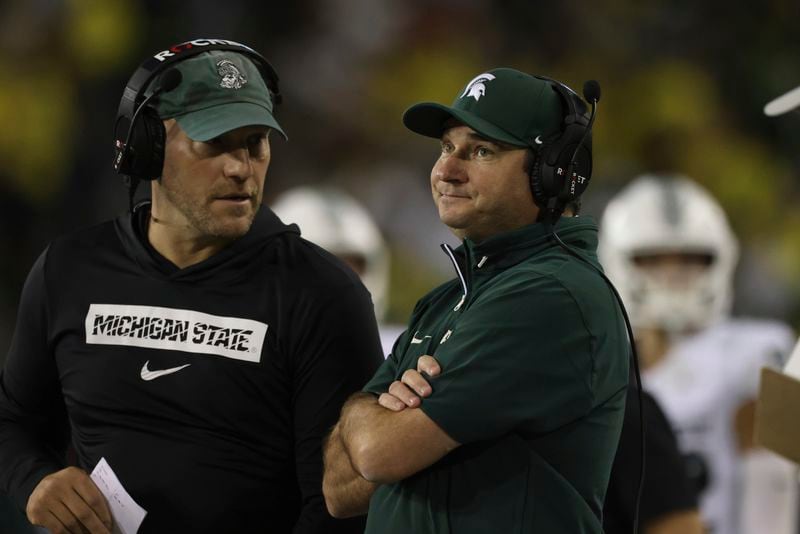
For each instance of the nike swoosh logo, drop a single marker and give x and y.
(147, 374)
(415, 340)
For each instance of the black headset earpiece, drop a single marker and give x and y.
(145, 149)
(567, 152)
(138, 131)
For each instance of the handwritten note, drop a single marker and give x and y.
(127, 515)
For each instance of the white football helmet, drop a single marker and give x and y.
(335, 221)
(656, 215)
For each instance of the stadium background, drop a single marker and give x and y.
(683, 83)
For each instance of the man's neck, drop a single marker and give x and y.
(180, 244)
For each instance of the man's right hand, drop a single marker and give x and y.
(412, 387)
(68, 501)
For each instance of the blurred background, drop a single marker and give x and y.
(684, 84)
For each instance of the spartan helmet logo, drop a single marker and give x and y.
(476, 87)
(231, 77)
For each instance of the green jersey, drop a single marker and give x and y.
(534, 357)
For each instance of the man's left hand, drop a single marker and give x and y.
(412, 387)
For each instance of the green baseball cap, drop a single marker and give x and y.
(503, 104)
(219, 92)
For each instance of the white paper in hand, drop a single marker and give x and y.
(127, 515)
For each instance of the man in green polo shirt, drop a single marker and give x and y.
(500, 407)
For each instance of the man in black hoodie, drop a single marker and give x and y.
(198, 345)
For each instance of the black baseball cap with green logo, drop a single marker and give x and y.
(219, 92)
(502, 104)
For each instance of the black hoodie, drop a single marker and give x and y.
(259, 346)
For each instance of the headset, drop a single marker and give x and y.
(563, 164)
(139, 134)
(560, 174)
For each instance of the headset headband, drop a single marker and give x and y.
(160, 61)
(571, 100)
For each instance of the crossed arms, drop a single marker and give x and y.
(381, 440)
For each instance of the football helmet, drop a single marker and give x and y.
(668, 215)
(335, 221)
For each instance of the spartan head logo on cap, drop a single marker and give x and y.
(232, 78)
(476, 87)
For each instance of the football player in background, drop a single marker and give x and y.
(667, 246)
(334, 220)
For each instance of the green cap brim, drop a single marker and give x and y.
(206, 124)
(428, 118)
